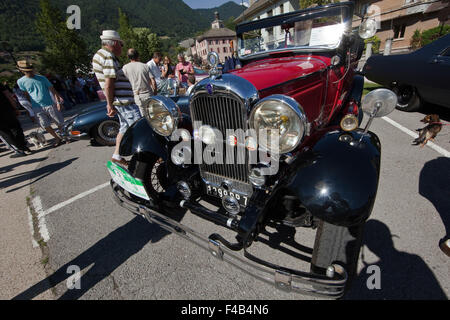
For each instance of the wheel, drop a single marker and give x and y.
(154, 177)
(337, 245)
(106, 132)
(408, 98)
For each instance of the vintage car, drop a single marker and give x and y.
(274, 143)
(94, 123)
(417, 77)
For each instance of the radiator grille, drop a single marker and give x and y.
(223, 112)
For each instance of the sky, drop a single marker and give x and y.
(195, 4)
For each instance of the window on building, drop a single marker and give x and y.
(282, 9)
(399, 31)
(224, 49)
(270, 13)
(218, 50)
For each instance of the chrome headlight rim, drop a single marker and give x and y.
(293, 105)
(172, 108)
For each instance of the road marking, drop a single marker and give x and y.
(37, 205)
(42, 226)
(430, 144)
(77, 197)
(30, 224)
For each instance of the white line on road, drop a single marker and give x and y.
(430, 144)
(37, 205)
(30, 224)
(67, 202)
(42, 226)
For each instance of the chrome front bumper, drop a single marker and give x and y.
(301, 282)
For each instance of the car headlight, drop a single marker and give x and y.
(282, 115)
(162, 114)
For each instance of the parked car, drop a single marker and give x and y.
(317, 169)
(93, 123)
(418, 77)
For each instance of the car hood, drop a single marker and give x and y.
(95, 107)
(264, 74)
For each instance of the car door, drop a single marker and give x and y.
(438, 75)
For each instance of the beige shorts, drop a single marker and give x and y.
(142, 100)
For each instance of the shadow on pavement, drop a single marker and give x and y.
(21, 163)
(443, 112)
(32, 175)
(105, 256)
(434, 185)
(403, 275)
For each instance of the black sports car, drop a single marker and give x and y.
(417, 77)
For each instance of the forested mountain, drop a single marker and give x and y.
(227, 10)
(171, 18)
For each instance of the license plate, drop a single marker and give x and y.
(221, 192)
(126, 181)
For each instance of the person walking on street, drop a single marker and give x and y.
(38, 91)
(11, 131)
(115, 85)
(141, 79)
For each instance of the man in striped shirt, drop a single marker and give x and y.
(117, 88)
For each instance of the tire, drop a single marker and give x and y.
(106, 132)
(408, 98)
(153, 177)
(337, 245)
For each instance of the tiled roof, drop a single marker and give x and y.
(217, 33)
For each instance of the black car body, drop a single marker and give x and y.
(328, 171)
(417, 77)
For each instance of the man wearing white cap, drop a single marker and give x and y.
(117, 88)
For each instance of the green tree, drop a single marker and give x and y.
(230, 24)
(141, 39)
(65, 51)
(375, 44)
(416, 39)
(307, 3)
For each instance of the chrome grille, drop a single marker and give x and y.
(223, 112)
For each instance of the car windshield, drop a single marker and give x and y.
(305, 30)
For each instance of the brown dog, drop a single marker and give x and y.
(430, 131)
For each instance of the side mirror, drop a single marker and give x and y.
(367, 28)
(378, 103)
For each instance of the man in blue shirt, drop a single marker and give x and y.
(38, 90)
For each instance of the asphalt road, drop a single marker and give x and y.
(124, 257)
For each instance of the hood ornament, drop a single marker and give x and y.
(213, 60)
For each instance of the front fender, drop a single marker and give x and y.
(141, 139)
(339, 181)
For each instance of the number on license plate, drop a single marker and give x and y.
(220, 193)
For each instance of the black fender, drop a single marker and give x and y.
(339, 180)
(357, 88)
(141, 139)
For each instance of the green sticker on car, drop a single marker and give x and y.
(126, 181)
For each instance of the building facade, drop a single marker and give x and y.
(218, 39)
(399, 19)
